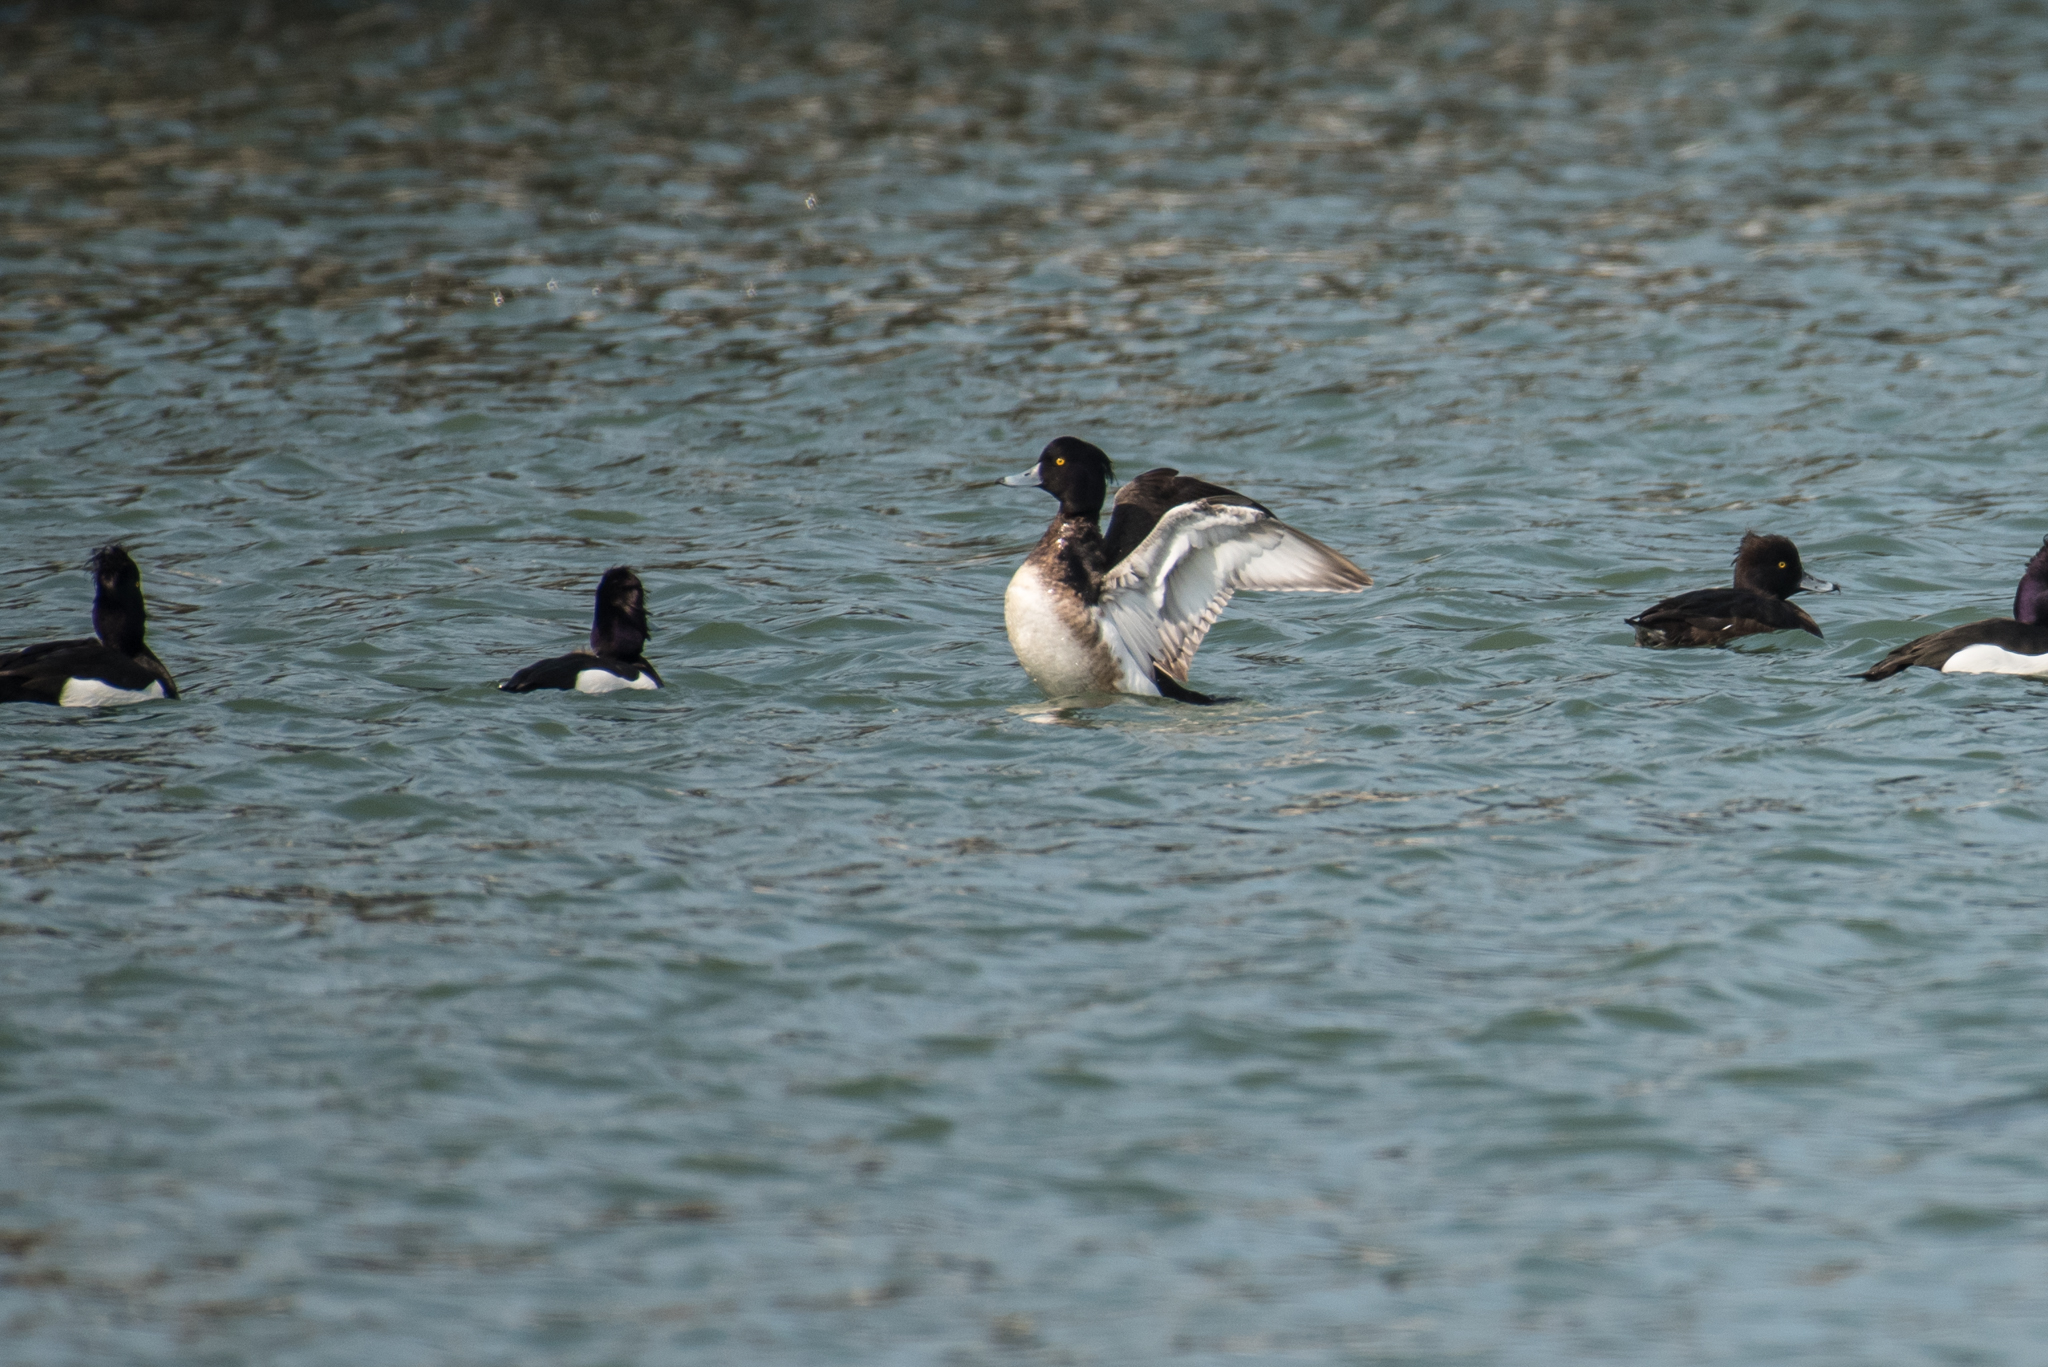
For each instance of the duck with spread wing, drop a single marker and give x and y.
(1124, 611)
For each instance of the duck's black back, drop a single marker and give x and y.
(1711, 617)
(1141, 503)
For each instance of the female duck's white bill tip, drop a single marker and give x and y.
(1028, 480)
(1812, 585)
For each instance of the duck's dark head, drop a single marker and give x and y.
(619, 630)
(1072, 471)
(2030, 604)
(117, 611)
(1770, 565)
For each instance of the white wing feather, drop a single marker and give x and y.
(1161, 601)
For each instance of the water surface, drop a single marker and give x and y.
(1478, 989)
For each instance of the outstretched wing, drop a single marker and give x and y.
(1158, 604)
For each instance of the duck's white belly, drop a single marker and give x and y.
(94, 693)
(1054, 637)
(1984, 658)
(604, 681)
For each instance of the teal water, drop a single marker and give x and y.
(1478, 989)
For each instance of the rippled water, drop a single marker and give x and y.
(1478, 989)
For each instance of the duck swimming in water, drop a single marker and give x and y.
(1767, 572)
(106, 670)
(1125, 612)
(1997, 645)
(618, 633)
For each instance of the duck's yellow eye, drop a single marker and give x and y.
(1062, 460)
(1781, 564)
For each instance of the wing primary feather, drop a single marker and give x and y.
(1158, 604)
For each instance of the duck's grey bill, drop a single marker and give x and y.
(1813, 585)
(1028, 480)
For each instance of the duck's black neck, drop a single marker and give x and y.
(618, 629)
(119, 623)
(2030, 602)
(118, 617)
(1083, 503)
(619, 635)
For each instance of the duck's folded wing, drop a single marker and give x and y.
(559, 673)
(1725, 613)
(30, 656)
(1934, 649)
(1158, 604)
